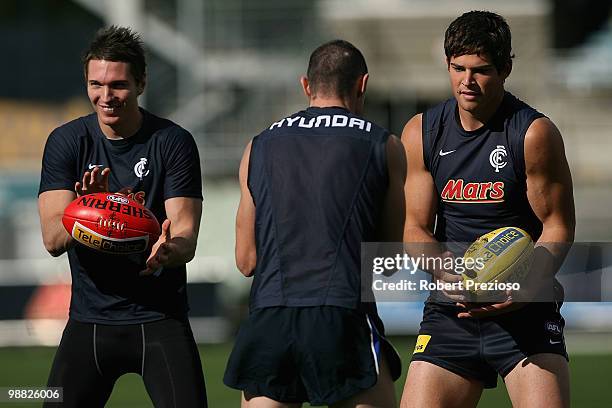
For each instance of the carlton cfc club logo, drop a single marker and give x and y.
(140, 168)
(497, 158)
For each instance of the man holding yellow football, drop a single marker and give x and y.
(478, 162)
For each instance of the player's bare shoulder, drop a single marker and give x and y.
(412, 139)
(543, 142)
(542, 133)
(412, 135)
(413, 129)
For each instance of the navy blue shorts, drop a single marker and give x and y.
(319, 354)
(480, 349)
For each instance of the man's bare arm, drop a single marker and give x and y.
(177, 244)
(51, 205)
(246, 254)
(391, 228)
(549, 184)
(550, 194)
(420, 197)
(421, 202)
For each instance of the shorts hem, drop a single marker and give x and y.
(256, 389)
(393, 358)
(503, 372)
(456, 370)
(347, 392)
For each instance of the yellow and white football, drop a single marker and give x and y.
(502, 258)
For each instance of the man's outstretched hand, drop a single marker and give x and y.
(95, 181)
(161, 253)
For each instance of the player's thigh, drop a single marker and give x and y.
(172, 370)
(75, 369)
(428, 385)
(381, 395)
(540, 380)
(249, 401)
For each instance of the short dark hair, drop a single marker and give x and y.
(334, 67)
(119, 44)
(482, 33)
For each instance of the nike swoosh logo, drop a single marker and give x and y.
(445, 153)
(93, 166)
(554, 342)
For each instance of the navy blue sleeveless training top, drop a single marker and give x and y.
(479, 175)
(318, 180)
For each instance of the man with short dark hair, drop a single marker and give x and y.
(127, 313)
(315, 185)
(484, 137)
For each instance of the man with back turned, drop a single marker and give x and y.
(314, 185)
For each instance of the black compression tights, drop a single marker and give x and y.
(91, 357)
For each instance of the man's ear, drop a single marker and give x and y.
(306, 86)
(140, 87)
(505, 73)
(362, 84)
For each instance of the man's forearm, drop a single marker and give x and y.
(552, 248)
(420, 242)
(56, 239)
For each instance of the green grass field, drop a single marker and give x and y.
(29, 367)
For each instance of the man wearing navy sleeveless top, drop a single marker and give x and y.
(315, 185)
(127, 313)
(477, 162)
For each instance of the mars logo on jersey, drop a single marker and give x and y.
(115, 246)
(458, 191)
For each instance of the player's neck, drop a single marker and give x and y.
(128, 127)
(473, 120)
(329, 102)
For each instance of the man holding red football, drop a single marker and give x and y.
(486, 137)
(128, 313)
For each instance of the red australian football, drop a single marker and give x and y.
(111, 223)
